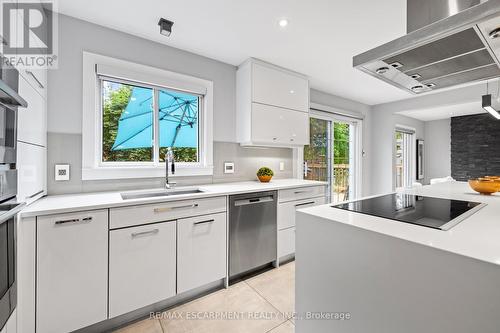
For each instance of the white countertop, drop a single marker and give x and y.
(478, 236)
(56, 204)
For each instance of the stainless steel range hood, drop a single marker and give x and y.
(449, 42)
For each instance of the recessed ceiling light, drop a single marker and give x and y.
(283, 22)
(165, 26)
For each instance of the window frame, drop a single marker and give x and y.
(410, 156)
(96, 66)
(155, 162)
(355, 119)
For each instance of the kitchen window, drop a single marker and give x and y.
(133, 113)
(139, 123)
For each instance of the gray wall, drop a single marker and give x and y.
(65, 107)
(383, 124)
(437, 149)
(475, 146)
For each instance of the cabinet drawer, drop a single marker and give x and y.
(300, 193)
(286, 242)
(286, 211)
(142, 214)
(72, 271)
(201, 251)
(293, 128)
(141, 266)
(276, 87)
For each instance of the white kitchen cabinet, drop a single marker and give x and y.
(72, 271)
(279, 126)
(278, 87)
(299, 193)
(140, 214)
(286, 211)
(142, 266)
(201, 251)
(31, 168)
(32, 120)
(286, 242)
(272, 106)
(289, 201)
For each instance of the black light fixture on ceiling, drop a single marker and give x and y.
(165, 26)
(487, 104)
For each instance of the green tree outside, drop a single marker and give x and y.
(114, 103)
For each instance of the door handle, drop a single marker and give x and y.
(35, 78)
(253, 201)
(166, 209)
(85, 219)
(305, 203)
(145, 233)
(204, 222)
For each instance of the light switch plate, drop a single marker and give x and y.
(62, 172)
(228, 167)
(282, 166)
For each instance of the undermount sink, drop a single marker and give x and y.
(161, 193)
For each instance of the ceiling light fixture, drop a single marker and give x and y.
(486, 99)
(165, 26)
(283, 22)
(487, 106)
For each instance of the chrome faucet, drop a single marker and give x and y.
(169, 158)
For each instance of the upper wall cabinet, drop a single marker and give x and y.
(272, 106)
(279, 88)
(32, 120)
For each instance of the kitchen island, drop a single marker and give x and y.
(362, 273)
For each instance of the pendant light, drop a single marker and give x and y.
(487, 104)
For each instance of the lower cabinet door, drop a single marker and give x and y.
(142, 264)
(201, 250)
(287, 210)
(286, 242)
(72, 271)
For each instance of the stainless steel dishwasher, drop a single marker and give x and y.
(252, 231)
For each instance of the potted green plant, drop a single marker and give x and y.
(265, 174)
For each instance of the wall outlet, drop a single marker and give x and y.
(282, 166)
(228, 167)
(61, 172)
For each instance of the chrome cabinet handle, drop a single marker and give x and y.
(145, 233)
(166, 209)
(204, 222)
(34, 195)
(35, 78)
(298, 192)
(305, 203)
(85, 219)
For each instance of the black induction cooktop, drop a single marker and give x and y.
(429, 212)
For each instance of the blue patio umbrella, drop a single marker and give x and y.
(178, 120)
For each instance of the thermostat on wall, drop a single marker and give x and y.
(62, 172)
(228, 167)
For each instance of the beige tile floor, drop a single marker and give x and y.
(260, 304)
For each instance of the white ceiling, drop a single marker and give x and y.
(320, 40)
(446, 111)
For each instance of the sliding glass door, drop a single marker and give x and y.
(403, 152)
(332, 155)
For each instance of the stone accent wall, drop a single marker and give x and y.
(475, 146)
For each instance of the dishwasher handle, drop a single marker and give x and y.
(253, 201)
